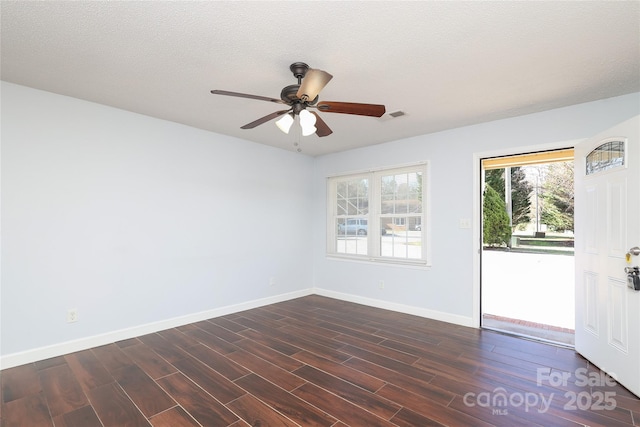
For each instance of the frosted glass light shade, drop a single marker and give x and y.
(308, 130)
(307, 119)
(285, 123)
(307, 122)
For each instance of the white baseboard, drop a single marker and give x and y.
(401, 308)
(42, 353)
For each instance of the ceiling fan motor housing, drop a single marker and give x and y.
(289, 95)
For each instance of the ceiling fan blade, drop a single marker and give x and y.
(321, 126)
(264, 119)
(245, 95)
(312, 84)
(372, 110)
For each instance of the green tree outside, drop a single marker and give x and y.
(496, 230)
(520, 193)
(557, 197)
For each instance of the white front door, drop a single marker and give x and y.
(607, 226)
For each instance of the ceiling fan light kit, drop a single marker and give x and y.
(307, 123)
(304, 95)
(306, 131)
(285, 123)
(309, 131)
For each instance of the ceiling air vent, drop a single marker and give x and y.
(398, 113)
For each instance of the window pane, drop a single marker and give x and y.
(607, 156)
(352, 206)
(401, 193)
(352, 197)
(352, 236)
(402, 237)
(342, 206)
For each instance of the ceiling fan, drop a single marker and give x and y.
(304, 95)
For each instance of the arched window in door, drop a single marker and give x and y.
(608, 155)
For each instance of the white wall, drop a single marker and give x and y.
(446, 290)
(142, 223)
(137, 221)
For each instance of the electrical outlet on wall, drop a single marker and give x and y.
(272, 281)
(72, 315)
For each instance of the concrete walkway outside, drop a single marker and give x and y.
(533, 287)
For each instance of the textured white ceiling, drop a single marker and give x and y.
(445, 64)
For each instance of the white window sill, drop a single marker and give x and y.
(391, 262)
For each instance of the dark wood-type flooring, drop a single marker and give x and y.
(315, 361)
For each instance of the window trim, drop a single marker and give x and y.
(373, 216)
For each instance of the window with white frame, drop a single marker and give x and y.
(380, 215)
